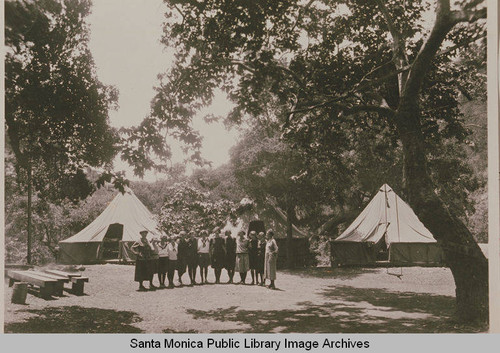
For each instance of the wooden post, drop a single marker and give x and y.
(28, 256)
(19, 293)
(289, 239)
(77, 288)
(46, 292)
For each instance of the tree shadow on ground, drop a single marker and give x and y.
(351, 310)
(344, 273)
(76, 319)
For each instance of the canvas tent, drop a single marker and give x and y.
(111, 234)
(387, 229)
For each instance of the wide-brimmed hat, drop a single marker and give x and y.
(142, 232)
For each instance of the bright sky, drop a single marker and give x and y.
(125, 43)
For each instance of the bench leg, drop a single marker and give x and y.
(11, 282)
(77, 288)
(59, 289)
(45, 292)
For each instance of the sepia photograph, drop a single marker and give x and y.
(241, 167)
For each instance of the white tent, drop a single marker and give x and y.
(112, 233)
(387, 222)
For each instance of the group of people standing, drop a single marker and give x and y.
(187, 252)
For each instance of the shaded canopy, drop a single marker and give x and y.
(272, 216)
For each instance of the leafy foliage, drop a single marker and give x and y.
(56, 108)
(188, 208)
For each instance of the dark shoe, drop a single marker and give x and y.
(142, 289)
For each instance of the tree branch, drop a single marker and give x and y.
(472, 4)
(347, 110)
(442, 25)
(370, 108)
(465, 15)
(398, 46)
(301, 13)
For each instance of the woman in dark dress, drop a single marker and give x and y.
(252, 255)
(192, 256)
(162, 260)
(143, 250)
(218, 254)
(261, 251)
(182, 255)
(230, 255)
(203, 255)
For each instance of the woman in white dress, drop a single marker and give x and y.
(270, 258)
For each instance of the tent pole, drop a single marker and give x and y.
(399, 236)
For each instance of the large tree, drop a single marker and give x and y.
(56, 109)
(338, 64)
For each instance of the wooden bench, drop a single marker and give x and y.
(77, 280)
(46, 285)
(60, 281)
(63, 273)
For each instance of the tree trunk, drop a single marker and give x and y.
(289, 237)
(464, 257)
(28, 255)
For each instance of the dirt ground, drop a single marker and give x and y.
(318, 300)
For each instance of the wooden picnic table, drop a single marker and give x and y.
(47, 286)
(77, 280)
(63, 273)
(59, 290)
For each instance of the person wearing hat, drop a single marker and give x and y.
(143, 250)
(218, 253)
(261, 252)
(203, 255)
(182, 254)
(230, 255)
(253, 245)
(271, 257)
(162, 260)
(242, 264)
(192, 256)
(172, 261)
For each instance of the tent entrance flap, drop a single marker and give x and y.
(256, 226)
(110, 248)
